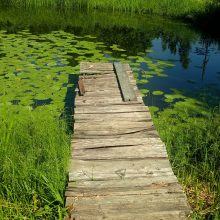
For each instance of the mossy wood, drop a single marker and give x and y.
(119, 168)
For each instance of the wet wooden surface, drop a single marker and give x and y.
(119, 167)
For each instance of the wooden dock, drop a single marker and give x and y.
(119, 166)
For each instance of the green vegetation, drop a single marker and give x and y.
(40, 71)
(191, 133)
(158, 92)
(39, 55)
(109, 28)
(203, 13)
(36, 88)
(34, 154)
(165, 7)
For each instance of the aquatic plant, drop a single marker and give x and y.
(38, 75)
(37, 82)
(40, 66)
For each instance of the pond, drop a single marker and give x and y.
(40, 52)
(176, 66)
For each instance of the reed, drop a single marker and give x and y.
(165, 7)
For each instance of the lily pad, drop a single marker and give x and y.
(158, 92)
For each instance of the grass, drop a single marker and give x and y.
(165, 7)
(192, 138)
(201, 13)
(34, 145)
(34, 153)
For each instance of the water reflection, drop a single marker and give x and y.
(142, 41)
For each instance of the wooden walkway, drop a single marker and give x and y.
(119, 167)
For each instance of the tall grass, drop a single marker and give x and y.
(34, 153)
(193, 144)
(164, 7)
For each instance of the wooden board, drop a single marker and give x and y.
(108, 143)
(81, 87)
(124, 83)
(119, 167)
(111, 109)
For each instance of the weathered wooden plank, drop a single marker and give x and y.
(100, 88)
(105, 76)
(126, 152)
(95, 72)
(94, 79)
(110, 119)
(118, 169)
(95, 66)
(93, 129)
(93, 100)
(93, 88)
(124, 83)
(144, 215)
(111, 91)
(129, 203)
(111, 125)
(131, 77)
(99, 78)
(102, 143)
(81, 87)
(103, 101)
(111, 185)
(117, 143)
(108, 83)
(103, 94)
(113, 109)
(138, 134)
(117, 132)
(112, 115)
(155, 188)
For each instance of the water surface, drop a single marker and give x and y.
(40, 52)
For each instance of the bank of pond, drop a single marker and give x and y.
(178, 73)
(203, 14)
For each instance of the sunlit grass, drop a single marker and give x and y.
(165, 7)
(34, 153)
(192, 137)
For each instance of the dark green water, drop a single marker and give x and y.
(40, 52)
